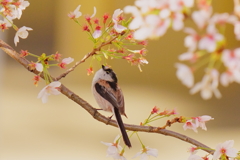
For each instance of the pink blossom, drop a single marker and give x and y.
(237, 30)
(146, 5)
(155, 110)
(65, 61)
(188, 56)
(97, 33)
(201, 17)
(193, 150)
(231, 60)
(237, 7)
(116, 14)
(178, 5)
(225, 150)
(7, 21)
(119, 28)
(20, 6)
(177, 22)
(223, 18)
(51, 88)
(226, 78)
(209, 41)
(190, 125)
(115, 18)
(191, 40)
(201, 120)
(76, 13)
(208, 85)
(184, 74)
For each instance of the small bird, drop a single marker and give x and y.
(109, 97)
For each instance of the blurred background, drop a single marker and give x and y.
(60, 129)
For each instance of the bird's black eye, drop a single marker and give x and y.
(107, 72)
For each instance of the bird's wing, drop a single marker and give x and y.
(113, 95)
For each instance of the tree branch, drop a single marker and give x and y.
(95, 114)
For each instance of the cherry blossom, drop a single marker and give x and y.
(191, 40)
(193, 150)
(190, 125)
(201, 17)
(4, 24)
(52, 88)
(208, 85)
(115, 18)
(20, 6)
(200, 121)
(9, 11)
(137, 20)
(76, 13)
(97, 33)
(22, 33)
(237, 7)
(184, 74)
(65, 61)
(231, 60)
(39, 67)
(226, 78)
(114, 149)
(225, 150)
(210, 40)
(237, 30)
(90, 71)
(223, 18)
(178, 5)
(188, 56)
(146, 151)
(177, 22)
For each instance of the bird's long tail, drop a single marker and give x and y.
(122, 128)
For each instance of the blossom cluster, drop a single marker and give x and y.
(152, 18)
(11, 10)
(195, 122)
(44, 62)
(42, 65)
(116, 151)
(206, 46)
(209, 50)
(223, 151)
(111, 28)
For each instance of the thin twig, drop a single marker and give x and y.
(96, 115)
(87, 56)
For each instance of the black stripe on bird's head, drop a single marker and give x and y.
(110, 72)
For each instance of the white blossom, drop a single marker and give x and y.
(22, 33)
(184, 74)
(225, 149)
(51, 88)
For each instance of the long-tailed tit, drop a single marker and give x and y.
(109, 96)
